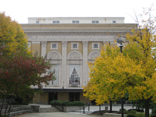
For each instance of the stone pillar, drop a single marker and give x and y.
(85, 60)
(64, 64)
(43, 48)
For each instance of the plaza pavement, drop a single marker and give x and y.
(78, 113)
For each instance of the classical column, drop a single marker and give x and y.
(85, 60)
(43, 48)
(64, 64)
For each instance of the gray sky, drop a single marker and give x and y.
(20, 10)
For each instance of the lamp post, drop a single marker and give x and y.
(120, 41)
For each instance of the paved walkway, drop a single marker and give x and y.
(58, 114)
(79, 113)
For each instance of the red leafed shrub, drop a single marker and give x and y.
(18, 72)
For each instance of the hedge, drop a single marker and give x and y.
(66, 103)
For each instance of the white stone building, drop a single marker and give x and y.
(69, 43)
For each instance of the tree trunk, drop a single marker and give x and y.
(147, 107)
(2, 106)
(110, 106)
(122, 108)
(9, 107)
(6, 109)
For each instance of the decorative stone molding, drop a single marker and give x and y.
(53, 55)
(93, 54)
(85, 43)
(43, 43)
(74, 55)
(35, 42)
(64, 43)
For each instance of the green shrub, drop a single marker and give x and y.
(124, 110)
(132, 111)
(154, 111)
(66, 103)
(153, 115)
(140, 115)
(77, 103)
(55, 102)
(131, 115)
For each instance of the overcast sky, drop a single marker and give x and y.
(20, 10)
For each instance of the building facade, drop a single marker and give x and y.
(69, 43)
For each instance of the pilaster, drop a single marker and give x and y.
(64, 64)
(43, 48)
(85, 60)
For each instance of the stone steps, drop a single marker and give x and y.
(18, 110)
(13, 109)
(12, 114)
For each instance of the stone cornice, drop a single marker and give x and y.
(80, 25)
(75, 31)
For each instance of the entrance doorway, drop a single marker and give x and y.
(52, 96)
(74, 96)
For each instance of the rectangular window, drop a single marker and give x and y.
(75, 22)
(95, 22)
(74, 45)
(95, 45)
(56, 22)
(114, 22)
(37, 22)
(52, 96)
(74, 96)
(54, 45)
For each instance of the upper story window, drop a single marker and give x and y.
(95, 22)
(75, 22)
(37, 22)
(95, 45)
(74, 45)
(56, 22)
(54, 45)
(114, 22)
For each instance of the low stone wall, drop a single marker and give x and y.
(113, 115)
(68, 108)
(71, 108)
(35, 108)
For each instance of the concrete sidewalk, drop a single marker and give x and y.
(78, 113)
(58, 114)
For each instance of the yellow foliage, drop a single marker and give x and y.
(113, 73)
(12, 36)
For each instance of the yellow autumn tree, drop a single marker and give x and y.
(113, 73)
(12, 36)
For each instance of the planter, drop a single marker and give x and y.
(68, 108)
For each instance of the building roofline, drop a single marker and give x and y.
(76, 17)
(87, 24)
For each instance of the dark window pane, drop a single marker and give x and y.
(95, 45)
(53, 45)
(74, 45)
(114, 21)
